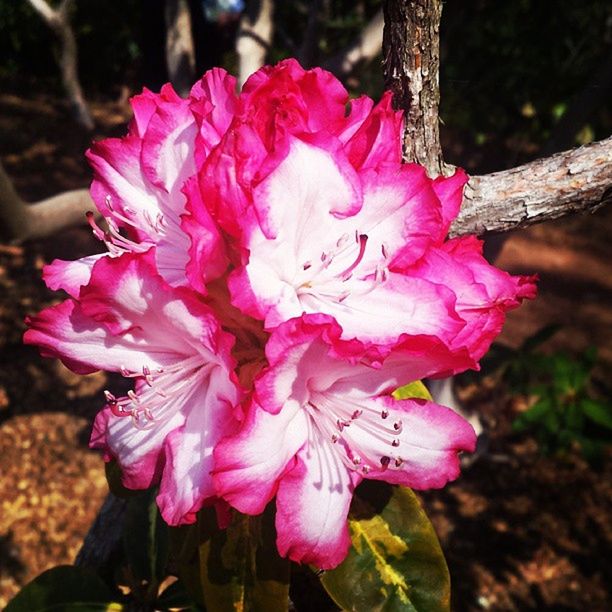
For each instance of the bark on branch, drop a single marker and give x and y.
(545, 189)
(579, 180)
(22, 221)
(59, 21)
(180, 53)
(254, 37)
(411, 66)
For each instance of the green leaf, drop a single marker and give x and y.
(395, 562)
(535, 414)
(145, 537)
(240, 568)
(415, 389)
(598, 412)
(64, 588)
(184, 543)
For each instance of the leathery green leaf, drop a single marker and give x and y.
(395, 562)
(415, 389)
(240, 568)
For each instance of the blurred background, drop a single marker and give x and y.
(528, 525)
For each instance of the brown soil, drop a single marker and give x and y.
(521, 532)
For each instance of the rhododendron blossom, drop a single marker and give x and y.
(274, 272)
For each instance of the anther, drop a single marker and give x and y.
(385, 252)
(397, 426)
(398, 462)
(365, 469)
(335, 438)
(395, 443)
(133, 396)
(307, 264)
(384, 413)
(110, 398)
(384, 461)
(124, 371)
(356, 460)
(342, 240)
(356, 414)
(109, 203)
(340, 424)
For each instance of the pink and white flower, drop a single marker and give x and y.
(127, 319)
(322, 418)
(274, 273)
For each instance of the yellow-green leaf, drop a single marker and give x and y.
(415, 389)
(395, 562)
(240, 569)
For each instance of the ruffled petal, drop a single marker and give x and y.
(70, 275)
(379, 138)
(312, 505)
(249, 464)
(415, 443)
(186, 482)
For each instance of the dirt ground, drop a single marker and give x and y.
(520, 531)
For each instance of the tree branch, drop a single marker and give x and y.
(579, 180)
(22, 221)
(58, 20)
(254, 37)
(180, 53)
(361, 51)
(411, 66)
(545, 189)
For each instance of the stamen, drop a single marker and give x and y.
(398, 462)
(398, 426)
(356, 460)
(342, 240)
(384, 461)
(384, 250)
(384, 413)
(395, 443)
(363, 239)
(307, 264)
(357, 414)
(335, 438)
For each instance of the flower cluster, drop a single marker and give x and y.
(273, 274)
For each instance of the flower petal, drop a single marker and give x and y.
(312, 505)
(249, 464)
(70, 275)
(410, 442)
(186, 480)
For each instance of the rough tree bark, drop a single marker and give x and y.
(180, 53)
(574, 181)
(59, 21)
(411, 66)
(578, 180)
(22, 221)
(254, 37)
